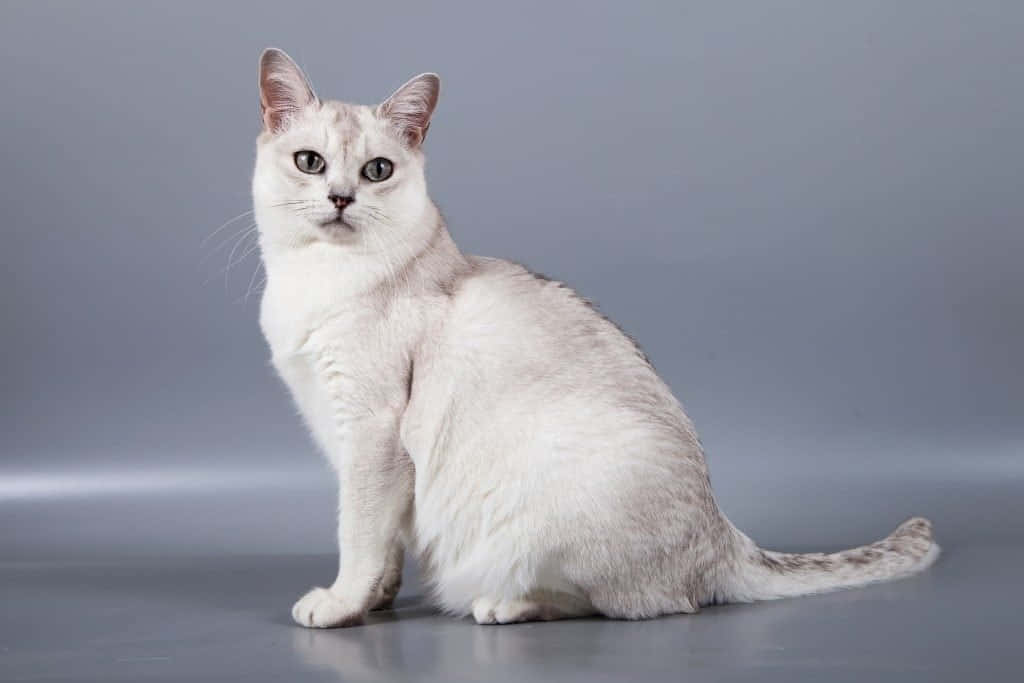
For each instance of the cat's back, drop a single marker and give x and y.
(517, 336)
(501, 305)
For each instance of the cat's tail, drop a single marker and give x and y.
(766, 575)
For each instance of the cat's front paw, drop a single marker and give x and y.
(321, 608)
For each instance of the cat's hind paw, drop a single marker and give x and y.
(321, 608)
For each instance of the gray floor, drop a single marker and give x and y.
(179, 583)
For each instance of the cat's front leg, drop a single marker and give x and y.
(376, 490)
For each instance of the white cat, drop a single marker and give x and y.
(484, 418)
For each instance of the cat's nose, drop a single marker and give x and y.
(339, 201)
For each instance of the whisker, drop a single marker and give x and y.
(243, 232)
(293, 202)
(224, 225)
(242, 239)
(249, 289)
(231, 256)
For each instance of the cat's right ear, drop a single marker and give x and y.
(284, 89)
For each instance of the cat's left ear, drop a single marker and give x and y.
(410, 107)
(284, 89)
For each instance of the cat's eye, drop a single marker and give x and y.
(378, 169)
(309, 162)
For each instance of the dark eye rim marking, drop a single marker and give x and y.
(388, 165)
(317, 165)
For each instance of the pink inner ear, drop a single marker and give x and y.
(410, 129)
(410, 108)
(284, 90)
(278, 103)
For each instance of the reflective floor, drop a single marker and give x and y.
(75, 605)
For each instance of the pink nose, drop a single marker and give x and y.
(339, 201)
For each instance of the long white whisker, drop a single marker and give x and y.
(224, 225)
(241, 238)
(231, 256)
(255, 272)
(241, 233)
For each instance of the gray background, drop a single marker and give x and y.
(808, 213)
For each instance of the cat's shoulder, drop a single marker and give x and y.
(496, 286)
(489, 277)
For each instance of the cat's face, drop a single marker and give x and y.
(339, 173)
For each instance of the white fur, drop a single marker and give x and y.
(486, 419)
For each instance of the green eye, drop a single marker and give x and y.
(309, 162)
(378, 169)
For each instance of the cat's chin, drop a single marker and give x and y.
(335, 225)
(337, 230)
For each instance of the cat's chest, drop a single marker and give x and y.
(340, 362)
(316, 350)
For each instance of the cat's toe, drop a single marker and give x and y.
(516, 611)
(483, 611)
(490, 611)
(320, 608)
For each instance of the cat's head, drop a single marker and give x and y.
(344, 174)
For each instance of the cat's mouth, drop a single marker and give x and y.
(336, 223)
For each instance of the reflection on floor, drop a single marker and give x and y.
(189, 613)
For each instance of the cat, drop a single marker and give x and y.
(484, 418)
